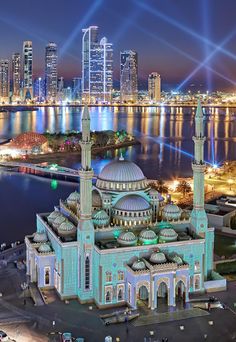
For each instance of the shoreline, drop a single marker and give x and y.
(35, 107)
(49, 157)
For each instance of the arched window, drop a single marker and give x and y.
(47, 276)
(108, 296)
(87, 273)
(197, 266)
(120, 294)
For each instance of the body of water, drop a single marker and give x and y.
(165, 152)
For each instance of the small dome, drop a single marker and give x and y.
(177, 259)
(147, 236)
(58, 221)
(164, 225)
(168, 235)
(100, 218)
(127, 238)
(44, 248)
(171, 212)
(138, 265)
(74, 196)
(154, 193)
(66, 228)
(40, 237)
(53, 216)
(158, 258)
(132, 203)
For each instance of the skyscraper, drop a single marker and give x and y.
(60, 89)
(129, 76)
(4, 80)
(97, 66)
(16, 76)
(51, 71)
(77, 89)
(28, 69)
(154, 87)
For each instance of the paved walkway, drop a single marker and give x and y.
(178, 315)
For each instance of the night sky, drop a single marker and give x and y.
(171, 37)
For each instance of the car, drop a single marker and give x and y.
(3, 336)
(66, 337)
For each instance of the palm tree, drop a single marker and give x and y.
(184, 187)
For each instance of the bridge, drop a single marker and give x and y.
(40, 170)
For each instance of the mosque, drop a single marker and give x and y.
(119, 242)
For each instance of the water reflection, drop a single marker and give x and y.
(163, 132)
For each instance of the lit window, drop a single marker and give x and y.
(121, 275)
(46, 276)
(108, 296)
(108, 277)
(120, 296)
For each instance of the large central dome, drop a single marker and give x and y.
(121, 171)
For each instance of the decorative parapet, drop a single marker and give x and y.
(183, 267)
(70, 212)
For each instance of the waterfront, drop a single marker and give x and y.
(162, 133)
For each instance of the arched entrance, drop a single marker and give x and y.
(180, 292)
(162, 294)
(143, 296)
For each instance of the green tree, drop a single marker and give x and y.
(184, 187)
(160, 186)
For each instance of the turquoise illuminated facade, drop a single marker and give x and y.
(118, 242)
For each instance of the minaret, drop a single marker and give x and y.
(198, 215)
(85, 231)
(86, 172)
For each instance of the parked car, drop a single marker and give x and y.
(66, 337)
(3, 336)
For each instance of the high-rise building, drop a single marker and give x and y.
(51, 71)
(97, 66)
(77, 89)
(129, 76)
(60, 89)
(39, 89)
(16, 76)
(28, 69)
(154, 87)
(4, 80)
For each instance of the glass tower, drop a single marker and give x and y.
(154, 87)
(51, 71)
(4, 80)
(97, 67)
(129, 76)
(16, 76)
(28, 69)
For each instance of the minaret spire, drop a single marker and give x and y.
(198, 216)
(86, 172)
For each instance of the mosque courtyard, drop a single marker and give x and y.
(32, 323)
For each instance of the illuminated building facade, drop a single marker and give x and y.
(4, 80)
(16, 76)
(97, 67)
(27, 70)
(154, 87)
(77, 89)
(60, 89)
(51, 71)
(129, 76)
(118, 242)
(39, 89)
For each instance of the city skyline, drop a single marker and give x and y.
(164, 36)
